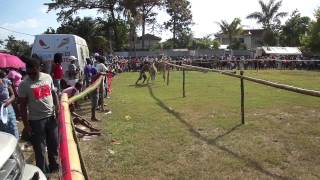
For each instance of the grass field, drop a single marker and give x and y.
(164, 136)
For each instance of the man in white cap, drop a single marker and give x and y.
(72, 68)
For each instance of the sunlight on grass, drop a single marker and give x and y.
(199, 137)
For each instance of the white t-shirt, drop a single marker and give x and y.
(101, 68)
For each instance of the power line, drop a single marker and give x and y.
(16, 31)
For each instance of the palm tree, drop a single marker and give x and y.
(269, 15)
(231, 30)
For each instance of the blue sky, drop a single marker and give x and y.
(31, 17)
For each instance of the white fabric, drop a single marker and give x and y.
(101, 68)
(282, 50)
(4, 114)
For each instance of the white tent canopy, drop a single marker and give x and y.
(281, 50)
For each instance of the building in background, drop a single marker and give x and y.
(149, 41)
(252, 38)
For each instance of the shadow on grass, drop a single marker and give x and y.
(138, 85)
(252, 163)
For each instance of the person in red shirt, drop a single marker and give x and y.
(57, 71)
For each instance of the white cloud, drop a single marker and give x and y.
(31, 23)
(43, 10)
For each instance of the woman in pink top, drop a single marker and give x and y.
(15, 78)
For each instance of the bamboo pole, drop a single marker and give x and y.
(70, 162)
(88, 90)
(260, 81)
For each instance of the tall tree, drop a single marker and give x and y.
(50, 30)
(19, 47)
(122, 29)
(270, 18)
(231, 30)
(181, 17)
(146, 8)
(294, 29)
(133, 17)
(70, 7)
(311, 42)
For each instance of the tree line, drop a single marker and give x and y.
(117, 29)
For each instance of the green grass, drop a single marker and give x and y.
(200, 136)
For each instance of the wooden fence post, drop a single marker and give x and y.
(103, 93)
(164, 72)
(168, 76)
(242, 97)
(184, 83)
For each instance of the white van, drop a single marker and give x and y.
(46, 45)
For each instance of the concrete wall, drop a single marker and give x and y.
(175, 53)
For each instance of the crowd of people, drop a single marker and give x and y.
(135, 64)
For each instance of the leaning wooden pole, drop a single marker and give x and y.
(242, 98)
(260, 81)
(184, 83)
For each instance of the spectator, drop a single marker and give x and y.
(72, 68)
(87, 73)
(15, 77)
(72, 91)
(6, 98)
(94, 98)
(39, 109)
(101, 69)
(57, 71)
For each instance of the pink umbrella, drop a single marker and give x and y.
(7, 60)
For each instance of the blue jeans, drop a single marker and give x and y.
(11, 126)
(45, 136)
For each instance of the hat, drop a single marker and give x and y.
(72, 58)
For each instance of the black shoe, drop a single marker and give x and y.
(54, 169)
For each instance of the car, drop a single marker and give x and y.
(12, 162)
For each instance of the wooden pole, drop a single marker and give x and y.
(260, 81)
(184, 83)
(242, 97)
(168, 76)
(103, 92)
(164, 72)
